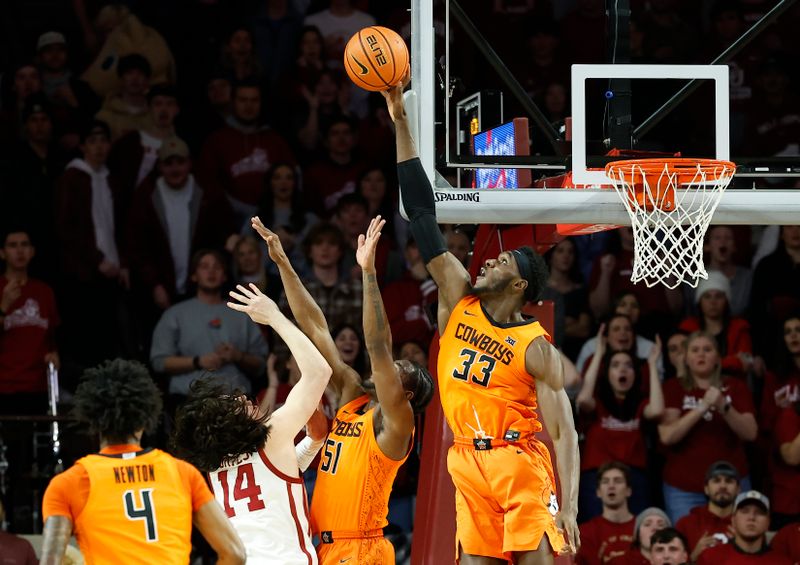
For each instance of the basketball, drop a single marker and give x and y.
(376, 58)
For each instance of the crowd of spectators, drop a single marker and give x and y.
(137, 140)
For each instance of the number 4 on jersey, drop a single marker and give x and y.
(146, 511)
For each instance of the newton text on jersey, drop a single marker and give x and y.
(135, 474)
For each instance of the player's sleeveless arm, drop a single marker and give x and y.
(212, 522)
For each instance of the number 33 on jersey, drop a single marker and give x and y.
(483, 383)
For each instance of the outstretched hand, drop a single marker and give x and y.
(394, 98)
(655, 351)
(367, 244)
(260, 308)
(276, 252)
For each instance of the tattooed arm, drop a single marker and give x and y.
(57, 531)
(398, 416)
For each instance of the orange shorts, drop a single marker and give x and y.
(363, 551)
(505, 499)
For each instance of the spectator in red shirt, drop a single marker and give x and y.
(236, 157)
(28, 321)
(335, 175)
(787, 542)
(648, 523)
(708, 525)
(611, 533)
(782, 386)
(732, 334)
(668, 547)
(708, 417)
(613, 406)
(749, 543)
(786, 471)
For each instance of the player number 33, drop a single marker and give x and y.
(469, 358)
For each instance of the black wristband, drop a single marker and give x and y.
(196, 362)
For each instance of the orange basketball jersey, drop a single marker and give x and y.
(354, 479)
(138, 511)
(485, 390)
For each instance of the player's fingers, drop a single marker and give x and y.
(238, 307)
(255, 289)
(361, 239)
(245, 291)
(243, 299)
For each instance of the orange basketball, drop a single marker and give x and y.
(376, 58)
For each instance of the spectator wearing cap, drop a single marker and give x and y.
(785, 473)
(749, 542)
(708, 525)
(133, 156)
(787, 542)
(72, 99)
(648, 522)
(669, 547)
(708, 417)
(732, 334)
(27, 182)
(610, 534)
(336, 174)
(127, 109)
(172, 217)
(90, 227)
(236, 158)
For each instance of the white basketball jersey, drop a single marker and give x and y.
(268, 509)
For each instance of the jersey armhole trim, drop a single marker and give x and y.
(274, 470)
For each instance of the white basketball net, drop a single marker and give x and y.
(670, 207)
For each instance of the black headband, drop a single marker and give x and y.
(525, 271)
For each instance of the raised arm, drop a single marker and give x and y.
(655, 406)
(557, 415)
(585, 401)
(398, 416)
(309, 316)
(314, 370)
(450, 275)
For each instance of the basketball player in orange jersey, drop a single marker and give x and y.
(493, 368)
(127, 504)
(372, 433)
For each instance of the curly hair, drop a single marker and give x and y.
(213, 427)
(117, 399)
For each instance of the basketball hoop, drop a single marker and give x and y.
(670, 203)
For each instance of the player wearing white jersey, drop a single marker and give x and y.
(250, 457)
